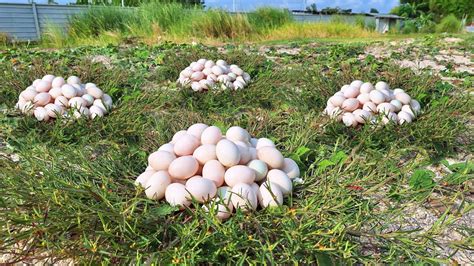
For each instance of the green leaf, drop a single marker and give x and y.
(422, 179)
(457, 178)
(301, 151)
(339, 157)
(324, 164)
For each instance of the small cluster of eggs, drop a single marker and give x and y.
(206, 74)
(224, 172)
(360, 102)
(53, 96)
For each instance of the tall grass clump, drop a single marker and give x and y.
(171, 18)
(449, 24)
(268, 18)
(221, 25)
(360, 22)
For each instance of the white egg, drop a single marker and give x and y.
(77, 102)
(370, 107)
(385, 108)
(197, 130)
(55, 92)
(156, 185)
(62, 101)
(221, 210)
(201, 189)
(337, 100)
(361, 116)
(390, 118)
(95, 92)
(415, 106)
(41, 114)
(377, 97)
(161, 160)
(366, 87)
(270, 195)
(264, 142)
(42, 99)
(142, 179)
(363, 98)
(177, 195)
(404, 117)
(54, 110)
(239, 174)
(349, 120)
(291, 168)
(96, 111)
(89, 99)
(407, 109)
(382, 85)
(196, 86)
(237, 133)
(68, 91)
(397, 104)
(58, 82)
(243, 197)
(280, 178)
(197, 67)
(211, 135)
(350, 104)
(28, 94)
(73, 80)
(169, 147)
(260, 168)
(356, 84)
(209, 64)
(397, 91)
(403, 98)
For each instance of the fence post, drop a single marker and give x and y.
(35, 18)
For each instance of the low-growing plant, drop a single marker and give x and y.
(449, 24)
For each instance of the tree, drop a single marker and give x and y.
(312, 8)
(373, 10)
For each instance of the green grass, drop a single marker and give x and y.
(71, 194)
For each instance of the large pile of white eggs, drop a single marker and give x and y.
(53, 96)
(224, 172)
(360, 103)
(206, 74)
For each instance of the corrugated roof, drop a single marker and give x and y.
(377, 15)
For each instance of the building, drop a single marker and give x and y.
(385, 22)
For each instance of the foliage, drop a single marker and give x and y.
(267, 18)
(360, 21)
(436, 8)
(449, 24)
(312, 8)
(373, 10)
(191, 3)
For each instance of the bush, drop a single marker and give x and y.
(99, 20)
(409, 27)
(221, 24)
(268, 18)
(360, 22)
(449, 24)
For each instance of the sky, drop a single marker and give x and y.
(383, 6)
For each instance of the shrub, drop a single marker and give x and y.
(221, 24)
(360, 22)
(449, 24)
(409, 27)
(4, 39)
(268, 18)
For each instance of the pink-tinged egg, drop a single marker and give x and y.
(237, 133)
(207, 71)
(205, 153)
(28, 94)
(404, 117)
(77, 102)
(186, 73)
(177, 195)
(397, 91)
(232, 76)
(366, 87)
(142, 179)
(243, 197)
(336, 113)
(82, 112)
(329, 109)
(349, 120)
(387, 94)
(382, 85)
(55, 92)
(58, 82)
(343, 88)
(88, 99)
(370, 107)
(390, 118)
(35, 82)
(238, 71)
(100, 103)
(239, 174)
(222, 211)
(161, 160)
(246, 77)
(217, 70)
(238, 85)
(41, 114)
(377, 97)
(43, 86)
(169, 147)
(385, 108)
(186, 145)
(351, 92)
(61, 100)
(362, 116)
(264, 142)
(54, 110)
(209, 64)
(96, 111)
(68, 91)
(48, 78)
(356, 84)
(156, 185)
(212, 77)
(363, 98)
(197, 67)
(281, 179)
(403, 98)
(26, 107)
(73, 80)
(291, 168)
(244, 152)
(270, 195)
(197, 76)
(252, 153)
(407, 109)
(227, 153)
(201, 189)
(255, 188)
(183, 167)
(178, 135)
(214, 170)
(80, 90)
(253, 142)
(224, 79)
(337, 100)
(42, 99)
(397, 104)
(221, 62)
(211, 135)
(95, 92)
(271, 156)
(196, 86)
(350, 104)
(260, 168)
(197, 129)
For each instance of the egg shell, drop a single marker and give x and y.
(336, 113)
(255, 188)
(142, 179)
(280, 178)
(73, 80)
(222, 211)
(42, 99)
(397, 91)
(343, 88)
(396, 104)
(215, 171)
(27, 107)
(54, 110)
(88, 99)
(211, 135)
(96, 111)
(58, 82)
(237, 133)
(169, 147)
(271, 156)
(415, 106)
(243, 197)
(403, 98)
(270, 195)
(161, 160)
(244, 152)
(196, 86)
(205, 153)
(212, 77)
(264, 142)
(62, 101)
(377, 97)
(95, 92)
(186, 145)
(385, 108)
(197, 129)
(361, 116)
(209, 64)
(28, 94)
(238, 71)
(68, 91)
(207, 71)
(404, 117)
(350, 104)
(246, 77)
(227, 153)
(253, 142)
(370, 107)
(177, 195)
(201, 189)
(363, 98)
(82, 111)
(55, 92)
(367, 87)
(197, 67)
(156, 185)
(351, 92)
(41, 114)
(260, 168)
(43, 86)
(221, 62)
(390, 118)
(224, 193)
(35, 82)
(186, 73)
(382, 85)
(48, 77)
(77, 102)
(239, 174)
(178, 135)
(183, 167)
(291, 168)
(232, 76)
(197, 76)
(337, 100)
(349, 120)
(356, 84)
(238, 85)
(252, 153)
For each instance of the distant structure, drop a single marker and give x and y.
(385, 22)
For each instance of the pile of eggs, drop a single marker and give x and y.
(360, 103)
(52, 96)
(222, 172)
(206, 74)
